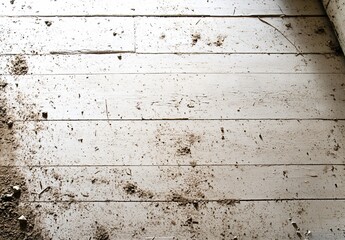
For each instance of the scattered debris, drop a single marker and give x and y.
(195, 38)
(19, 66)
(48, 23)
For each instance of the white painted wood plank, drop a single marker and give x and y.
(247, 220)
(336, 12)
(211, 96)
(48, 35)
(233, 35)
(161, 7)
(173, 63)
(176, 183)
(162, 143)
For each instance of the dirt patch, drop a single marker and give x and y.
(101, 234)
(12, 185)
(19, 66)
(133, 189)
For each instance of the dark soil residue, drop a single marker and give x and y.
(19, 66)
(12, 185)
(133, 189)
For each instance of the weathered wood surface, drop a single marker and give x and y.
(234, 35)
(160, 8)
(176, 143)
(186, 183)
(165, 35)
(163, 96)
(66, 35)
(174, 63)
(167, 221)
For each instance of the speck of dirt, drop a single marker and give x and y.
(48, 23)
(101, 234)
(12, 1)
(119, 57)
(45, 115)
(195, 38)
(162, 36)
(193, 163)
(19, 66)
(288, 26)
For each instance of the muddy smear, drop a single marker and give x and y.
(13, 191)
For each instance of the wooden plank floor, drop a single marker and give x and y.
(173, 119)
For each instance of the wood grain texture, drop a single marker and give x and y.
(167, 221)
(174, 63)
(71, 35)
(211, 96)
(174, 183)
(160, 7)
(234, 35)
(175, 143)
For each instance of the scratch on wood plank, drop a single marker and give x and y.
(280, 33)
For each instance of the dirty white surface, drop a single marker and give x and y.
(152, 121)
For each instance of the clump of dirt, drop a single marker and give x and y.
(183, 151)
(220, 40)
(101, 234)
(133, 189)
(12, 185)
(228, 202)
(195, 38)
(19, 66)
